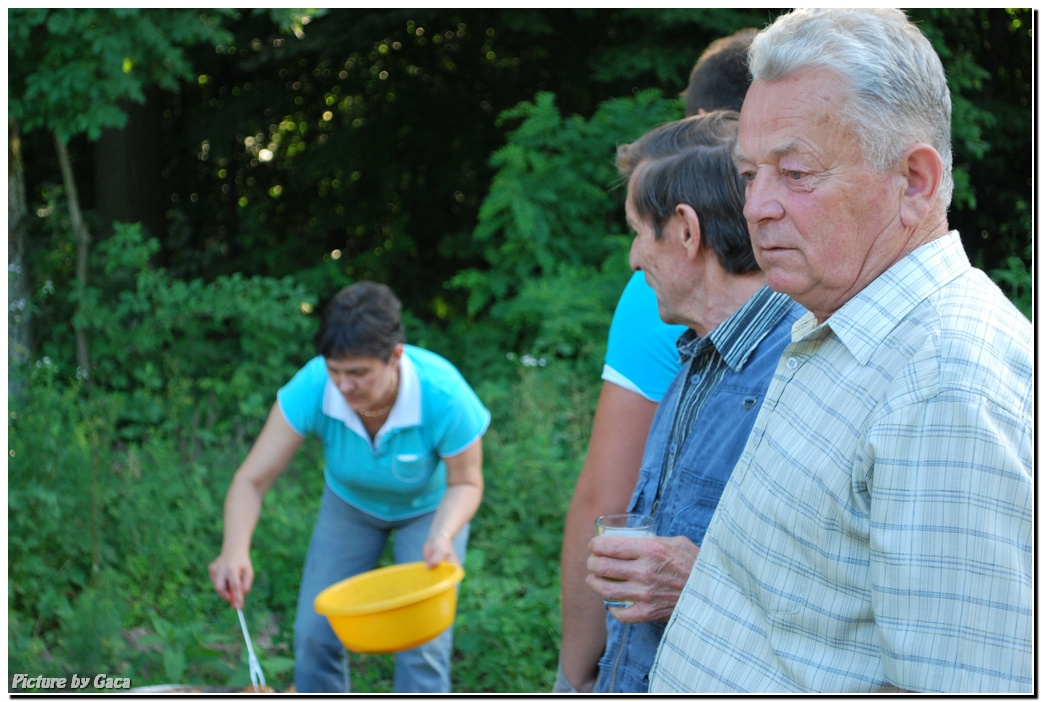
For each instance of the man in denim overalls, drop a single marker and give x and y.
(684, 203)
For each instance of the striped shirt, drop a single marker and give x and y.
(727, 347)
(877, 531)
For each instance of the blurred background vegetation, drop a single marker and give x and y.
(186, 188)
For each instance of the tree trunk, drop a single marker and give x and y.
(82, 238)
(18, 310)
(128, 182)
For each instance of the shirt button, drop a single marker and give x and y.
(792, 364)
(696, 378)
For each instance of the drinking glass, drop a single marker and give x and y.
(634, 526)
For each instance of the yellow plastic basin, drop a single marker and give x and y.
(391, 609)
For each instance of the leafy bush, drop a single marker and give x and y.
(109, 541)
(117, 483)
(110, 537)
(554, 234)
(1018, 281)
(193, 359)
(509, 603)
(56, 498)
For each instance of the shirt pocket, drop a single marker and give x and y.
(411, 467)
(692, 519)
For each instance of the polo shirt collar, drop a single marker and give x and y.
(404, 413)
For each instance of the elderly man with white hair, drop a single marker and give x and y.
(877, 531)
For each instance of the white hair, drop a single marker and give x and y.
(898, 90)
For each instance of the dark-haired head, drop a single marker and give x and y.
(362, 320)
(690, 161)
(720, 78)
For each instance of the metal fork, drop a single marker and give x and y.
(255, 673)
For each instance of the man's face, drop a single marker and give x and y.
(821, 218)
(663, 261)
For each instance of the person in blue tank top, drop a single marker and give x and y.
(401, 435)
(641, 349)
(641, 361)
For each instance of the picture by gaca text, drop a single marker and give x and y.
(23, 681)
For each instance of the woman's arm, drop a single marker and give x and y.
(458, 506)
(232, 571)
(604, 486)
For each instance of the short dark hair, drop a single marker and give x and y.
(364, 320)
(720, 78)
(699, 172)
(672, 137)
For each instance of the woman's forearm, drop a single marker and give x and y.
(457, 508)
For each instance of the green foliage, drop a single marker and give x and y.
(284, 532)
(292, 20)
(969, 121)
(187, 651)
(641, 34)
(550, 202)
(571, 312)
(304, 157)
(58, 448)
(73, 67)
(190, 355)
(123, 479)
(509, 602)
(1015, 277)
(109, 564)
(984, 52)
(551, 220)
(109, 541)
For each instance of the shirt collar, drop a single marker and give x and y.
(405, 412)
(739, 335)
(875, 311)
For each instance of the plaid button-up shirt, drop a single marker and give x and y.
(877, 531)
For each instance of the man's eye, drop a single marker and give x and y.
(748, 176)
(794, 175)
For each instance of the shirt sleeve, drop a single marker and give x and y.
(641, 348)
(951, 495)
(301, 398)
(456, 416)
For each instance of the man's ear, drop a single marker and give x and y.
(690, 229)
(922, 170)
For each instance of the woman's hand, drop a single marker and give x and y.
(232, 571)
(232, 578)
(438, 547)
(458, 506)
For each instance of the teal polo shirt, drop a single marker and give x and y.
(399, 473)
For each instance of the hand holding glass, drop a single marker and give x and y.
(634, 526)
